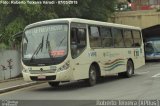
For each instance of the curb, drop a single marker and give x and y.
(19, 87)
(14, 79)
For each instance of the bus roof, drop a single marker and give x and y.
(79, 20)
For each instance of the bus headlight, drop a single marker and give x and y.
(25, 70)
(64, 67)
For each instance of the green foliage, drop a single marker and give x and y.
(88, 9)
(3, 46)
(103, 10)
(15, 26)
(13, 18)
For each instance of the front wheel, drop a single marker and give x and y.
(54, 84)
(91, 81)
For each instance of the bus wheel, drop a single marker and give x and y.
(129, 72)
(54, 84)
(91, 81)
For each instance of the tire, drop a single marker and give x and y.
(54, 84)
(129, 72)
(91, 81)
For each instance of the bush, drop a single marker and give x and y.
(3, 46)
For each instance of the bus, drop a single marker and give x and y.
(71, 49)
(152, 48)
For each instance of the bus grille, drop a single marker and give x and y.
(35, 78)
(41, 72)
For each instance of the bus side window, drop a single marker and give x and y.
(128, 39)
(118, 37)
(106, 37)
(78, 41)
(81, 38)
(137, 38)
(73, 36)
(95, 39)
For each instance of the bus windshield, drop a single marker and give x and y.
(153, 46)
(156, 45)
(45, 45)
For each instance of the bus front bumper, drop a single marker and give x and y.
(152, 57)
(65, 75)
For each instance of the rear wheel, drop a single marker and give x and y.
(130, 70)
(54, 84)
(91, 81)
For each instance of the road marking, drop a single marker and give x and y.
(156, 75)
(140, 73)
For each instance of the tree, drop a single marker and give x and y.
(88, 9)
(13, 18)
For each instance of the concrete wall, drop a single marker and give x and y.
(141, 19)
(10, 65)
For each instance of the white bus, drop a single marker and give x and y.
(152, 48)
(71, 49)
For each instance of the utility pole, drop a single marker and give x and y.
(4, 68)
(10, 66)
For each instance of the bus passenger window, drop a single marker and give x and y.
(137, 38)
(95, 39)
(118, 37)
(128, 38)
(106, 37)
(78, 41)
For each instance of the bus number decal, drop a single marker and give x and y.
(92, 54)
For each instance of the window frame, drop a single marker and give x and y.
(111, 34)
(134, 38)
(78, 26)
(113, 28)
(125, 29)
(89, 32)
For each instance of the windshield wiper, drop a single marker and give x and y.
(48, 43)
(61, 42)
(40, 47)
(48, 46)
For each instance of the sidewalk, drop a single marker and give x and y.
(13, 84)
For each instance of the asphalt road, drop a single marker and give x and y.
(144, 85)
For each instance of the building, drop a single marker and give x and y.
(134, 5)
(145, 4)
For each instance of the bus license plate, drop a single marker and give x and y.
(41, 77)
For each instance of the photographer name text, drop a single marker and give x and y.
(59, 2)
